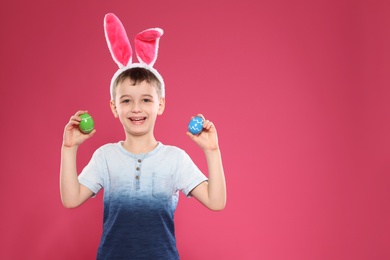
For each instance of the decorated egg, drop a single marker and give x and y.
(196, 125)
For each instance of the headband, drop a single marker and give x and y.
(146, 48)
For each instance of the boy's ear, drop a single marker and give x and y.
(161, 106)
(113, 108)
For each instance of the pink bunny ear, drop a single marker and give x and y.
(117, 40)
(146, 45)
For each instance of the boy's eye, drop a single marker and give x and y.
(126, 101)
(145, 100)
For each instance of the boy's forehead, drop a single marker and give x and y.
(127, 87)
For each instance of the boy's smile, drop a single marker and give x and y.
(137, 120)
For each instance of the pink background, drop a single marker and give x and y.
(299, 92)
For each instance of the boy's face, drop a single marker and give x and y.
(137, 107)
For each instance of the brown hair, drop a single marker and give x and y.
(136, 76)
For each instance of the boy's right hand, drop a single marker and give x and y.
(73, 137)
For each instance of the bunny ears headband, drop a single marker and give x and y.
(146, 48)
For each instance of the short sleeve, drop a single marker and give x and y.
(189, 176)
(92, 175)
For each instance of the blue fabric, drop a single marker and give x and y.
(141, 192)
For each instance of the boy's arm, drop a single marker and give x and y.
(212, 194)
(73, 194)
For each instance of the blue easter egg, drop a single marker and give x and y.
(196, 125)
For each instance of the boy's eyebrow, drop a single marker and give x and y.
(124, 96)
(143, 95)
(147, 95)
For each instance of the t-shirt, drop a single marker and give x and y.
(141, 192)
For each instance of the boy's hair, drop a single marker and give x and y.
(136, 76)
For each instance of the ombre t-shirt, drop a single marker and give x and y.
(141, 192)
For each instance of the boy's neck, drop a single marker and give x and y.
(137, 144)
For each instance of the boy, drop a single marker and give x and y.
(141, 177)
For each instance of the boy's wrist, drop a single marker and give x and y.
(69, 147)
(212, 151)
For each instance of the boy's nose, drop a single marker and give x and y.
(136, 107)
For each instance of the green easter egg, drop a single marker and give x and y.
(86, 124)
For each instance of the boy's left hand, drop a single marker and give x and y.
(208, 138)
